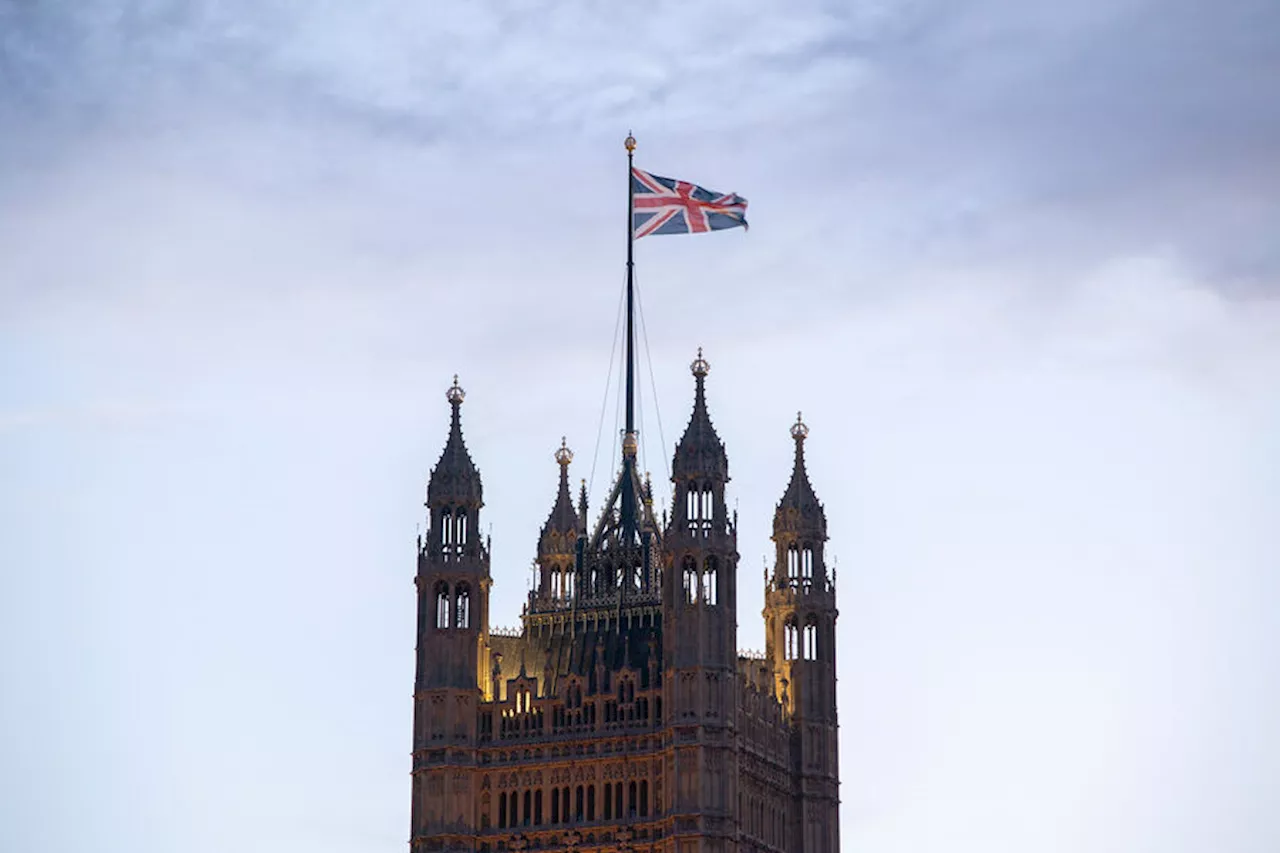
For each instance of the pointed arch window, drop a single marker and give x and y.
(453, 530)
(690, 573)
(462, 606)
(806, 567)
(793, 564)
(791, 639)
(710, 582)
(811, 638)
(699, 506)
(442, 605)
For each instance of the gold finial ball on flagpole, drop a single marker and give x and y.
(630, 143)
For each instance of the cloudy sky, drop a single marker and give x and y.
(1018, 262)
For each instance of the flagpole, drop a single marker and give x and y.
(631, 425)
(630, 441)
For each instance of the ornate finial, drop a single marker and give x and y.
(564, 455)
(700, 367)
(630, 142)
(455, 394)
(630, 444)
(798, 430)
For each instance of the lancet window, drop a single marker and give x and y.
(690, 572)
(453, 531)
(791, 639)
(442, 605)
(811, 638)
(462, 606)
(709, 582)
(699, 506)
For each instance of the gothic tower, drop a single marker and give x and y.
(557, 542)
(800, 622)
(700, 626)
(453, 624)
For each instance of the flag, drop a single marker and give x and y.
(667, 206)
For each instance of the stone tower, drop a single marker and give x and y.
(700, 606)
(800, 618)
(453, 584)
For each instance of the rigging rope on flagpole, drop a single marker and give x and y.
(604, 402)
(644, 456)
(653, 385)
(618, 409)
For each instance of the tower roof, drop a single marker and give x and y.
(561, 528)
(800, 510)
(455, 479)
(700, 451)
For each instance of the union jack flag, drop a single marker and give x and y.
(667, 206)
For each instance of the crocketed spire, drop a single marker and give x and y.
(561, 530)
(700, 452)
(455, 479)
(800, 511)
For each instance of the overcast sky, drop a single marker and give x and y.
(1017, 262)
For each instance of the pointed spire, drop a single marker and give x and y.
(455, 478)
(582, 505)
(561, 528)
(800, 508)
(700, 451)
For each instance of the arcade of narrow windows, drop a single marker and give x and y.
(699, 508)
(801, 645)
(561, 581)
(572, 804)
(763, 820)
(701, 586)
(603, 579)
(524, 715)
(452, 610)
(800, 567)
(453, 531)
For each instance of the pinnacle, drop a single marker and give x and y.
(455, 478)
